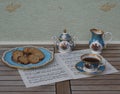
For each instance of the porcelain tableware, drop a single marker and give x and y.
(64, 43)
(91, 64)
(98, 40)
(7, 58)
(80, 67)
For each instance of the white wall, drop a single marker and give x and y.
(39, 20)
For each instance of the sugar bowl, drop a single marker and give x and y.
(64, 43)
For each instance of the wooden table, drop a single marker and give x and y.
(11, 82)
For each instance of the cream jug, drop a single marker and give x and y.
(97, 41)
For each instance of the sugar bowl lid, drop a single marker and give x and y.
(65, 36)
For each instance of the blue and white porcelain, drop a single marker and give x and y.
(7, 59)
(65, 36)
(91, 64)
(80, 66)
(64, 43)
(97, 41)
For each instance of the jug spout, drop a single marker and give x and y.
(96, 31)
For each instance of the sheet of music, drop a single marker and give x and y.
(62, 68)
(51, 73)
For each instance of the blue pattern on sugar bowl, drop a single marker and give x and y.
(65, 36)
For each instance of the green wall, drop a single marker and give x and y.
(39, 20)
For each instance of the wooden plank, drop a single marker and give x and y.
(28, 92)
(117, 55)
(23, 88)
(114, 63)
(104, 49)
(3, 78)
(11, 83)
(63, 87)
(81, 82)
(118, 73)
(97, 87)
(117, 66)
(24, 92)
(107, 77)
(2, 68)
(15, 83)
(9, 73)
(110, 51)
(95, 92)
(108, 47)
(112, 59)
(113, 45)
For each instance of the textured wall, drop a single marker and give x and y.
(39, 20)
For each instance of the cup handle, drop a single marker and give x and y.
(107, 37)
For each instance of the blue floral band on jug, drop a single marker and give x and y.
(97, 42)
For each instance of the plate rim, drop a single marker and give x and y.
(19, 67)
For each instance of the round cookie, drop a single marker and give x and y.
(16, 55)
(39, 54)
(23, 60)
(33, 51)
(25, 50)
(33, 59)
(30, 50)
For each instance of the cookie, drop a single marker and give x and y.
(16, 55)
(39, 54)
(23, 60)
(33, 59)
(33, 51)
(30, 50)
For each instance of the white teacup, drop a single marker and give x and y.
(91, 62)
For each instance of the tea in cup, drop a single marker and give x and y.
(91, 62)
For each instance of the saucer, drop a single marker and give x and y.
(80, 66)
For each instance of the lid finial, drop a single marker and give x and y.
(65, 30)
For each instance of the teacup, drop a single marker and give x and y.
(91, 62)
